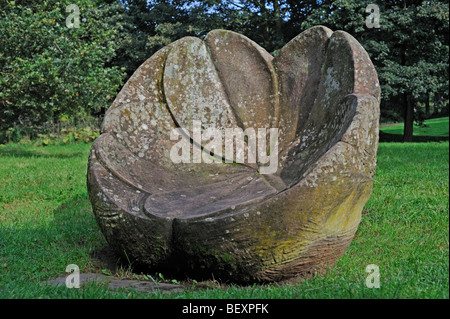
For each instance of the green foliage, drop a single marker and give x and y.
(410, 51)
(65, 131)
(67, 136)
(147, 26)
(433, 127)
(64, 136)
(48, 69)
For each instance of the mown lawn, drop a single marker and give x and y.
(433, 127)
(46, 223)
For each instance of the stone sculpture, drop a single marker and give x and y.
(229, 220)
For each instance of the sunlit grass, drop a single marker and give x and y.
(433, 127)
(46, 223)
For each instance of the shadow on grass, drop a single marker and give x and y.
(76, 222)
(388, 137)
(44, 249)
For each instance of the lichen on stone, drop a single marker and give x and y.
(227, 219)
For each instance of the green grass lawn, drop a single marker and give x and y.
(433, 127)
(46, 223)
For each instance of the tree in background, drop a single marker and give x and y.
(410, 51)
(149, 25)
(49, 70)
(145, 26)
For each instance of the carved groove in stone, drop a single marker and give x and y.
(321, 92)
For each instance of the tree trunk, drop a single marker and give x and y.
(266, 28)
(278, 21)
(436, 104)
(408, 105)
(427, 105)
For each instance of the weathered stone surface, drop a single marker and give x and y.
(117, 283)
(248, 76)
(227, 220)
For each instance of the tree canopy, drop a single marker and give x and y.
(50, 69)
(410, 50)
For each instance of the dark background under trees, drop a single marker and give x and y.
(51, 73)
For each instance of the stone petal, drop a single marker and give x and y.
(331, 112)
(247, 74)
(298, 66)
(193, 89)
(139, 117)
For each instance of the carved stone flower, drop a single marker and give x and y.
(231, 220)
